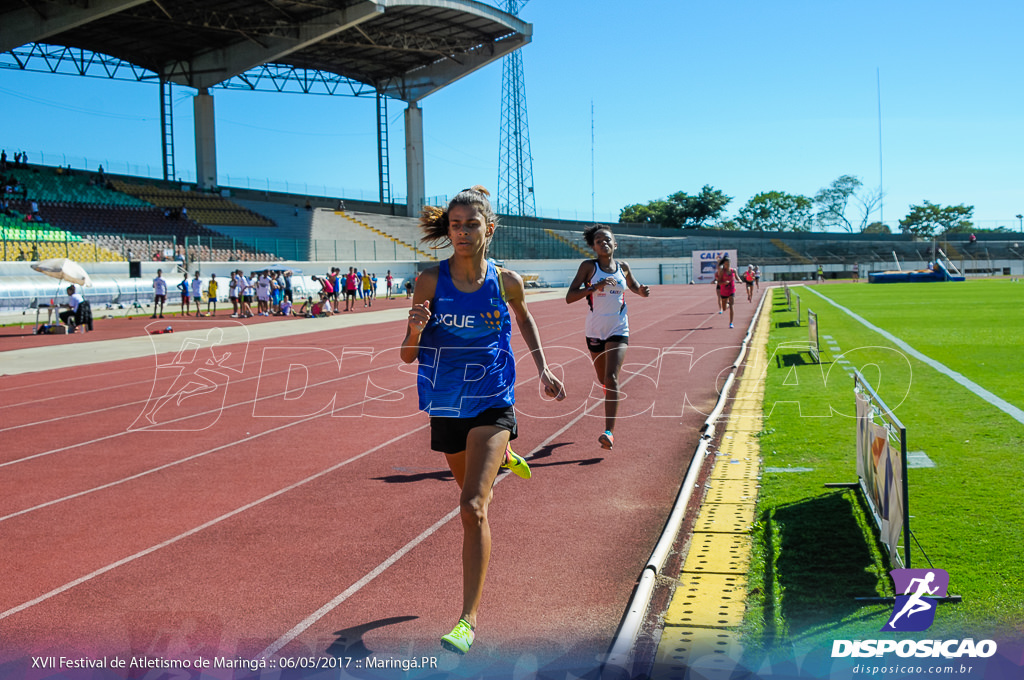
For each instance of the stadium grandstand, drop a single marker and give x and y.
(105, 220)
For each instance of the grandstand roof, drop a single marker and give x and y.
(406, 49)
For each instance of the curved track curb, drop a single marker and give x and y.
(620, 658)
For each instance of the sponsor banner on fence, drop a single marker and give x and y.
(705, 262)
(881, 473)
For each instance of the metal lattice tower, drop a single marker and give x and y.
(167, 129)
(515, 164)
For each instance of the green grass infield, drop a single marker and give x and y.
(816, 549)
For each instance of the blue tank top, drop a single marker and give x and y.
(465, 358)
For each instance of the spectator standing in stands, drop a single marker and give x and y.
(211, 295)
(159, 293)
(197, 293)
(35, 253)
(184, 288)
(21, 255)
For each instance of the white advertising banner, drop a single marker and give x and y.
(706, 261)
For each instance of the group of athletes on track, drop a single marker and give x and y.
(270, 291)
(726, 279)
(468, 302)
(354, 284)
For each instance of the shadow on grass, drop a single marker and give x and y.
(820, 562)
(801, 358)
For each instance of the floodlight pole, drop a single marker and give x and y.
(515, 162)
(1021, 219)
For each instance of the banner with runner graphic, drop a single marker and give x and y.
(706, 261)
(880, 470)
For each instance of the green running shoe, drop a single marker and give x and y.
(516, 463)
(459, 639)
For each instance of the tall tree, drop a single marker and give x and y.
(833, 203)
(777, 211)
(680, 210)
(930, 218)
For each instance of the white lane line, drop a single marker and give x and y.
(334, 603)
(201, 527)
(366, 579)
(1000, 403)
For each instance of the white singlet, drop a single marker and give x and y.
(607, 315)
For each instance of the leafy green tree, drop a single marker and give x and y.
(639, 213)
(877, 228)
(930, 218)
(833, 203)
(777, 211)
(680, 210)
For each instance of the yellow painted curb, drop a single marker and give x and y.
(707, 607)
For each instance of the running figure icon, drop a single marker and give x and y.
(914, 609)
(199, 373)
(914, 603)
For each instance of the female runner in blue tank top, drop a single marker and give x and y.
(603, 281)
(460, 331)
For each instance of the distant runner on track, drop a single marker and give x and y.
(603, 281)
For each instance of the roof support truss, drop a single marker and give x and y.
(33, 24)
(421, 82)
(219, 65)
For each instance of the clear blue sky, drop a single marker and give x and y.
(745, 96)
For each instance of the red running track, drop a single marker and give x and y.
(289, 506)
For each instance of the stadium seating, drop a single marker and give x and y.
(45, 186)
(202, 207)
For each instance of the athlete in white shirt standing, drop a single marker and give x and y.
(159, 293)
